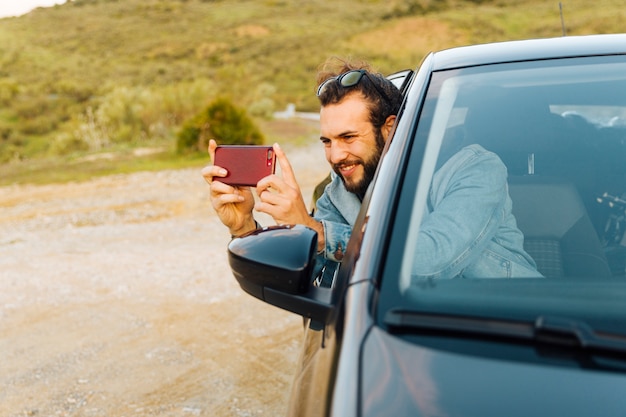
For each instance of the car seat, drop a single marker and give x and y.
(558, 233)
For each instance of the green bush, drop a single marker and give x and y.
(78, 91)
(40, 125)
(263, 104)
(66, 143)
(11, 144)
(8, 91)
(31, 107)
(263, 107)
(135, 115)
(222, 121)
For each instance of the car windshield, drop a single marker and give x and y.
(515, 206)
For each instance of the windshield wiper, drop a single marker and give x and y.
(550, 331)
(576, 334)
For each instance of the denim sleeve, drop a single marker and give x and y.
(337, 230)
(468, 200)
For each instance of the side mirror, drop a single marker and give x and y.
(276, 265)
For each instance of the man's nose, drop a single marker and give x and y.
(337, 153)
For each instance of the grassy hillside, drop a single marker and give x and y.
(101, 75)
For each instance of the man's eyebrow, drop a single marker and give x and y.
(348, 133)
(345, 134)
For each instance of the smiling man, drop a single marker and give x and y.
(358, 111)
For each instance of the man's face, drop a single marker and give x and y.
(352, 144)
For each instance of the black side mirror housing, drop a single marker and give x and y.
(276, 264)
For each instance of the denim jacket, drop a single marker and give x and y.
(469, 230)
(337, 210)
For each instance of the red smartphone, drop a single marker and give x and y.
(246, 164)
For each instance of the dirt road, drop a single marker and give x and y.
(116, 300)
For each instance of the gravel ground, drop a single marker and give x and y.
(117, 300)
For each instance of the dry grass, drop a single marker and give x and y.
(166, 59)
(410, 39)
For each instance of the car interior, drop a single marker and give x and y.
(567, 175)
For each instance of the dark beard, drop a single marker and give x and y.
(369, 169)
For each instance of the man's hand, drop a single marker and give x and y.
(282, 199)
(233, 205)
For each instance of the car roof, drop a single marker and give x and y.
(529, 50)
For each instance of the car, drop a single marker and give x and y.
(379, 342)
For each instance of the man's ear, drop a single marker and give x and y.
(386, 129)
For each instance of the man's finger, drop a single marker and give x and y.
(212, 171)
(219, 187)
(225, 199)
(212, 147)
(285, 166)
(271, 182)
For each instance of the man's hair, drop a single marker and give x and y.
(383, 97)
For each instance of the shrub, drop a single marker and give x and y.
(135, 114)
(263, 107)
(8, 91)
(76, 90)
(222, 121)
(92, 131)
(263, 104)
(11, 144)
(31, 107)
(66, 143)
(40, 125)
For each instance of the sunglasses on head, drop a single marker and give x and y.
(350, 79)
